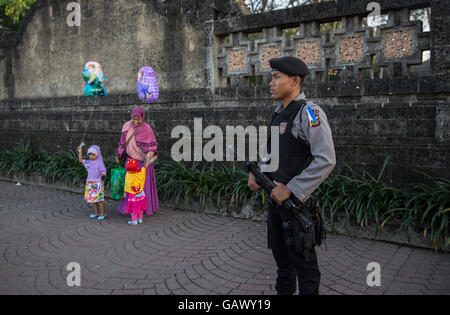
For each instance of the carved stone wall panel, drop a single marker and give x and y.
(309, 52)
(399, 44)
(351, 49)
(237, 60)
(268, 53)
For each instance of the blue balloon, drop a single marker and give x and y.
(94, 77)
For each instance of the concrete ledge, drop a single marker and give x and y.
(389, 234)
(429, 84)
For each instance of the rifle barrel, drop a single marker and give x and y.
(230, 147)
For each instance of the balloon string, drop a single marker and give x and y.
(92, 111)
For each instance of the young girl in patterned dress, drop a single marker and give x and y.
(94, 192)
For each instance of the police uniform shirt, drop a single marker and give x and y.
(317, 132)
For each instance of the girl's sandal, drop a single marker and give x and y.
(132, 222)
(92, 216)
(101, 218)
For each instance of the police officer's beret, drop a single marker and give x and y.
(289, 65)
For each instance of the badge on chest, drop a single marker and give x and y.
(283, 127)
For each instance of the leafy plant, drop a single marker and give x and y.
(366, 200)
(357, 197)
(215, 184)
(62, 166)
(13, 11)
(427, 206)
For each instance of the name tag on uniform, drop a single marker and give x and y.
(283, 127)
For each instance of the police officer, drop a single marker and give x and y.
(306, 158)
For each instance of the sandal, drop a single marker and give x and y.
(101, 218)
(132, 222)
(92, 216)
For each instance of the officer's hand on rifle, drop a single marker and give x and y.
(280, 193)
(252, 183)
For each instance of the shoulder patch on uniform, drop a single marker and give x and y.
(314, 119)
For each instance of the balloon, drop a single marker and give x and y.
(94, 77)
(147, 85)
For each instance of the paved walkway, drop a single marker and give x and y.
(177, 252)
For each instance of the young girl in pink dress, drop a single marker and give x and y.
(134, 190)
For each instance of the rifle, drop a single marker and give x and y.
(293, 204)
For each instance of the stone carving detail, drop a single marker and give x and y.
(268, 53)
(309, 52)
(399, 44)
(351, 49)
(237, 60)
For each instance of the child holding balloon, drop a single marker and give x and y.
(94, 192)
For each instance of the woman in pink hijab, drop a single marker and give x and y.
(141, 144)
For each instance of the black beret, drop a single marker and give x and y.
(289, 65)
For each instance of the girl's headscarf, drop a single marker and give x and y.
(97, 166)
(132, 165)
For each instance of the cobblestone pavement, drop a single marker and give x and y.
(178, 252)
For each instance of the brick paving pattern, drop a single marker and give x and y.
(178, 252)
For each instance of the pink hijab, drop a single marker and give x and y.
(145, 138)
(138, 111)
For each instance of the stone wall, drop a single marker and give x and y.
(205, 63)
(47, 56)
